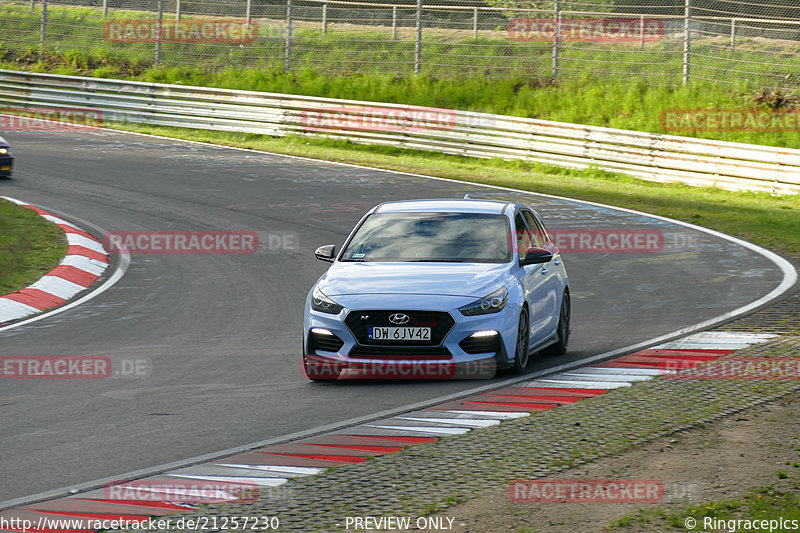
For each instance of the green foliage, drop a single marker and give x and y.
(549, 5)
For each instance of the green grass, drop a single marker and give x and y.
(770, 503)
(30, 246)
(767, 220)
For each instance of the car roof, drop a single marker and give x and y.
(444, 205)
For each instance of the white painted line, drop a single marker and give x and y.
(80, 240)
(739, 335)
(296, 470)
(565, 384)
(476, 422)
(428, 414)
(716, 340)
(92, 266)
(261, 481)
(578, 374)
(11, 310)
(58, 287)
(56, 220)
(14, 200)
(499, 414)
(688, 345)
(602, 370)
(430, 430)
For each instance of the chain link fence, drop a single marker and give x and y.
(671, 42)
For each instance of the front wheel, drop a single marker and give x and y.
(560, 346)
(523, 333)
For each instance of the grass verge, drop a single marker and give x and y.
(767, 220)
(778, 505)
(30, 246)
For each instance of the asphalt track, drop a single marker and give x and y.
(220, 334)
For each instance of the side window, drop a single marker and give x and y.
(537, 231)
(524, 240)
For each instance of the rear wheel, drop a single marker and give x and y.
(560, 346)
(523, 333)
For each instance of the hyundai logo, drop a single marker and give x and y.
(399, 318)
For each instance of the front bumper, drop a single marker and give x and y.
(332, 351)
(6, 165)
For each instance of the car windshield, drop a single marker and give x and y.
(431, 237)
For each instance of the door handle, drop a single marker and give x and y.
(544, 271)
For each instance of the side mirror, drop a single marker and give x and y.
(535, 255)
(326, 253)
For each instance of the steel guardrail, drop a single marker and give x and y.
(652, 156)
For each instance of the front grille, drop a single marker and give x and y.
(473, 345)
(400, 352)
(440, 323)
(327, 343)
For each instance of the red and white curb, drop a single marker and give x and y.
(85, 261)
(274, 465)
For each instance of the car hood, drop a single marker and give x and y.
(446, 279)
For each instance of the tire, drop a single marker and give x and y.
(521, 347)
(563, 330)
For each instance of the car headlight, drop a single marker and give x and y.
(3, 151)
(493, 303)
(323, 304)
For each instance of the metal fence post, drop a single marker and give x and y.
(394, 22)
(641, 30)
(733, 35)
(324, 18)
(687, 42)
(105, 8)
(556, 37)
(248, 12)
(177, 9)
(160, 31)
(43, 29)
(32, 2)
(287, 65)
(475, 23)
(418, 47)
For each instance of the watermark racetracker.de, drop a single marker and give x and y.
(181, 242)
(729, 120)
(182, 491)
(603, 491)
(618, 240)
(14, 119)
(213, 31)
(369, 118)
(755, 368)
(613, 29)
(329, 369)
(72, 367)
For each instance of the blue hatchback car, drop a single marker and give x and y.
(6, 159)
(436, 289)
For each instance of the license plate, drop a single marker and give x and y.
(399, 334)
(5, 168)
